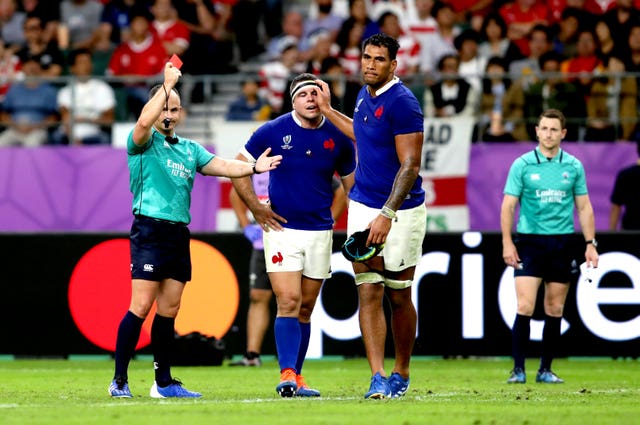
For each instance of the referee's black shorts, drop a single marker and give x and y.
(550, 257)
(159, 250)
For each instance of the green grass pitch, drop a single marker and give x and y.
(449, 392)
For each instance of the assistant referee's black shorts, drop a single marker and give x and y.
(550, 257)
(159, 250)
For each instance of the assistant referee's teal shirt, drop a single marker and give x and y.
(546, 189)
(161, 176)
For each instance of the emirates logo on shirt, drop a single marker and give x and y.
(378, 112)
(277, 259)
(329, 144)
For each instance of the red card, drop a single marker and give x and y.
(176, 61)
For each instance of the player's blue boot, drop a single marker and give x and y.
(119, 389)
(303, 389)
(398, 385)
(379, 387)
(175, 389)
(287, 386)
(517, 376)
(545, 376)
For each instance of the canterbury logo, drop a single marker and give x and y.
(277, 259)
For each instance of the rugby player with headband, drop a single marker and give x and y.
(297, 220)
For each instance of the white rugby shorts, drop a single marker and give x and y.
(293, 250)
(403, 247)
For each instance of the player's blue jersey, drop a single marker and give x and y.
(300, 188)
(546, 189)
(376, 122)
(161, 176)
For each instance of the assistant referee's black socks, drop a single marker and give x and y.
(128, 335)
(162, 338)
(550, 340)
(520, 339)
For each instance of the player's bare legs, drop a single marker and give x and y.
(373, 324)
(403, 326)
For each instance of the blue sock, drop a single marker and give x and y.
(126, 341)
(520, 339)
(162, 337)
(287, 332)
(305, 334)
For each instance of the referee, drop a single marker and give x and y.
(547, 182)
(162, 168)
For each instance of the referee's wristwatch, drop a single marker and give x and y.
(592, 242)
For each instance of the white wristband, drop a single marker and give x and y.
(388, 212)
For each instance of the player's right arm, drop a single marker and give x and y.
(340, 120)
(154, 107)
(507, 216)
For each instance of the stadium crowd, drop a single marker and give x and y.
(70, 68)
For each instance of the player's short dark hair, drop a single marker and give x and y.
(554, 114)
(383, 40)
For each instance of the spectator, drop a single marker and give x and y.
(350, 41)
(245, 26)
(553, 92)
(622, 16)
(274, 75)
(566, 40)
(323, 19)
(596, 7)
(420, 23)
(495, 85)
(49, 13)
(166, 26)
(611, 104)
(580, 68)
(292, 26)
(29, 108)
(521, 16)
(470, 12)
(606, 43)
(625, 198)
(409, 54)
(142, 57)
(11, 24)
(321, 48)
(79, 23)
(632, 56)
(452, 96)
(210, 38)
(358, 13)
(50, 56)
(10, 70)
(440, 42)
(494, 40)
(86, 105)
(472, 66)
(527, 69)
(249, 105)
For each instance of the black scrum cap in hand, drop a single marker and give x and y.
(355, 248)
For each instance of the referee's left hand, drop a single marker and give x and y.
(267, 163)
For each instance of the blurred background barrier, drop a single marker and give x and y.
(86, 188)
(66, 292)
